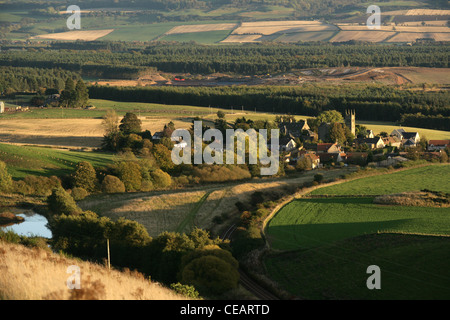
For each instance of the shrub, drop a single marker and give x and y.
(112, 184)
(318, 178)
(185, 290)
(60, 202)
(161, 179)
(42, 186)
(79, 193)
(129, 173)
(85, 177)
(210, 274)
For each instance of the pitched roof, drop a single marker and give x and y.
(409, 135)
(324, 146)
(439, 142)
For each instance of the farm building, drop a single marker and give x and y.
(328, 148)
(434, 145)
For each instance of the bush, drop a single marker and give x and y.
(318, 178)
(210, 275)
(185, 290)
(60, 202)
(129, 173)
(79, 193)
(112, 184)
(42, 186)
(161, 179)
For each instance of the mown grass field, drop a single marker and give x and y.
(412, 267)
(323, 245)
(27, 160)
(308, 223)
(435, 177)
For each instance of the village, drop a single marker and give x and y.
(302, 147)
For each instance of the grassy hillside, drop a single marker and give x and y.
(323, 245)
(429, 177)
(37, 274)
(25, 160)
(412, 267)
(307, 223)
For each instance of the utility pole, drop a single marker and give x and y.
(109, 257)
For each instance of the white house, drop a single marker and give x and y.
(2, 107)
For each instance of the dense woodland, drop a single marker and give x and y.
(251, 59)
(32, 69)
(301, 7)
(373, 102)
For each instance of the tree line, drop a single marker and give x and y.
(249, 59)
(371, 102)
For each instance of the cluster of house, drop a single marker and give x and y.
(4, 109)
(324, 153)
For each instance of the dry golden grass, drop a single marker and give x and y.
(201, 28)
(367, 35)
(411, 37)
(87, 35)
(158, 213)
(37, 274)
(271, 27)
(416, 199)
(70, 132)
(409, 28)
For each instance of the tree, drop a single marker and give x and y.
(129, 173)
(68, 94)
(210, 275)
(110, 124)
(5, 178)
(163, 157)
(85, 176)
(81, 94)
(221, 114)
(330, 116)
(337, 133)
(130, 123)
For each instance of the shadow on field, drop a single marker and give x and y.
(306, 236)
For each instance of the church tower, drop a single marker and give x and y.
(350, 120)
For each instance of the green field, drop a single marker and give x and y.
(25, 160)
(322, 246)
(435, 177)
(378, 127)
(412, 267)
(308, 223)
(208, 37)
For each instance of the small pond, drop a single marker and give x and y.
(33, 225)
